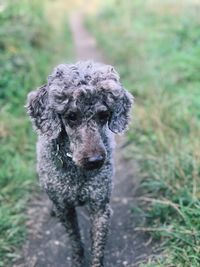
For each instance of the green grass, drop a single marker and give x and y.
(30, 46)
(155, 45)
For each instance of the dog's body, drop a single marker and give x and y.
(75, 116)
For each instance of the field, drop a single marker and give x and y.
(156, 47)
(30, 46)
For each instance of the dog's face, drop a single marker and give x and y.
(86, 127)
(87, 101)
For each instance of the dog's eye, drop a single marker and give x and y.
(72, 116)
(103, 116)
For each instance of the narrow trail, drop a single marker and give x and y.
(47, 245)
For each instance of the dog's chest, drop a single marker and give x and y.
(76, 193)
(81, 191)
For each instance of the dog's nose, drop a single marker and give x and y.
(94, 162)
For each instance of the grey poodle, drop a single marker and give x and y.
(75, 115)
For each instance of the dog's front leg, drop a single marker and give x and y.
(68, 217)
(100, 224)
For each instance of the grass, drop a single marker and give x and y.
(156, 47)
(30, 45)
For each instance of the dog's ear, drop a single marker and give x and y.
(45, 119)
(122, 102)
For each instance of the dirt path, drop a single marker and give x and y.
(47, 245)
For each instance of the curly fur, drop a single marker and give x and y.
(75, 115)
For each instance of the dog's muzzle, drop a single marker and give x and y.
(94, 162)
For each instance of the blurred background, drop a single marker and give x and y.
(155, 45)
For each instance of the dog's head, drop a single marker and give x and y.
(87, 101)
